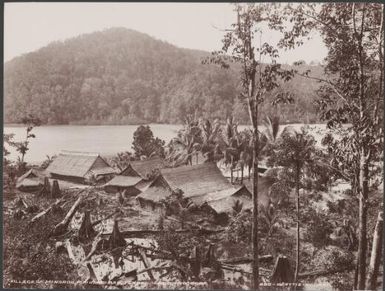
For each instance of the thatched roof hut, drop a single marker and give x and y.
(136, 176)
(144, 168)
(31, 181)
(79, 167)
(196, 180)
(223, 201)
(201, 183)
(121, 183)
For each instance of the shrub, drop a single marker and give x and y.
(239, 228)
(333, 258)
(319, 228)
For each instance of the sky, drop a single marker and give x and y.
(30, 26)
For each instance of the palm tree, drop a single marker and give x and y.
(295, 151)
(230, 145)
(246, 146)
(246, 156)
(272, 126)
(271, 133)
(269, 216)
(210, 132)
(187, 143)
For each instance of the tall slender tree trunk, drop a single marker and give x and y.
(298, 234)
(253, 95)
(364, 157)
(255, 263)
(375, 259)
(242, 174)
(362, 224)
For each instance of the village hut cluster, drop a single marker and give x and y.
(149, 182)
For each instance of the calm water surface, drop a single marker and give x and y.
(106, 140)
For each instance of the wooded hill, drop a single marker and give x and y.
(121, 76)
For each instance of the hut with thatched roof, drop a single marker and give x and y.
(147, 169)
(203, 184)
(136, 176)
(124, 184)
(80, 167)
(224, 200)
(31, 181)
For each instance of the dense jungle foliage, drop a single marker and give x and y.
(121, 76)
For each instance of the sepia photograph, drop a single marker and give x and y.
(193, 146)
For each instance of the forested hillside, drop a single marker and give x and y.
(120, 76)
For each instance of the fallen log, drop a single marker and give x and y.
(155, 269)
(94, 247)
(146, 264)
(62, 226)
(247, 260)
(320, 273)
(44, 212)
